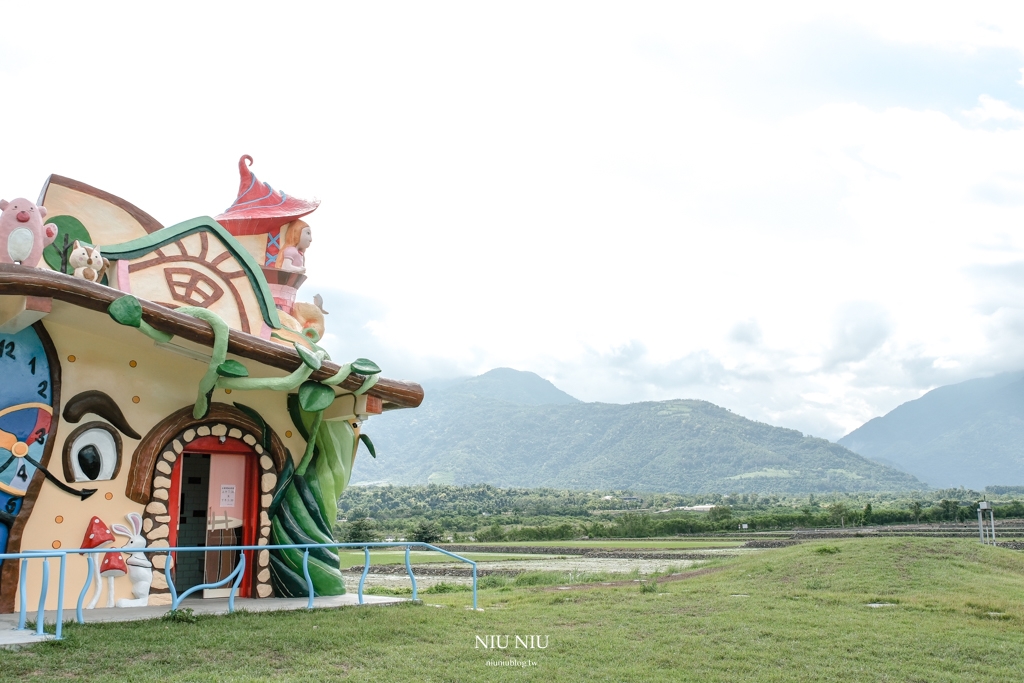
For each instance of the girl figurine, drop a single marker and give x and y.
(296, 240)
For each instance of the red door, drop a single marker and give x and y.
(229, 476)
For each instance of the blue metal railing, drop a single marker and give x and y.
(235, 577)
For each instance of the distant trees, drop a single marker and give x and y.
(915, 510)
(949, 508)
(426, 532)
(489, 513)
(361, 530)
(719, 513)
(838, 513)
(493, 534)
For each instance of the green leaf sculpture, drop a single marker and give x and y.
(126, 310)
(365, 366)
(314, 397)
(66, 225)
(232, 368)
(369, 445)
(258, 419)
(308, 358)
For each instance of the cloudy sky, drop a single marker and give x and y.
(808, 216)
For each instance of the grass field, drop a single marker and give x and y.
(956, 613)
(648, 543)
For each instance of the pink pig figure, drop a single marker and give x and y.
(22, 233)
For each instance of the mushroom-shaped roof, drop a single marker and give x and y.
(97, 535)
(259, 208)
(113, 565)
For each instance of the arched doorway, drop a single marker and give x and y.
(213, 502)
(156, 480)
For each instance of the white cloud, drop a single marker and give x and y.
(991, 109)
(590, 192)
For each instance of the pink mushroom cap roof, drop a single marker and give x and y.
(259, 208)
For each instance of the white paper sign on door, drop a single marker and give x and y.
(227, 495)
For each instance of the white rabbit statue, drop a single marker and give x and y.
(140, 569)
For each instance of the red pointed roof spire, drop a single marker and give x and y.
(259, 208)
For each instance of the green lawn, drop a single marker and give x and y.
(349, 559)
(653, 543)
(793, 614)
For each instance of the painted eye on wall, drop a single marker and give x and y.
(92, 453)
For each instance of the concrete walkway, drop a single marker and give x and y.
(11, 637)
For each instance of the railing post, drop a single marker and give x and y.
(234, 586)
(309, 581)
(408, 568)
(21, 594)
(474, 586)
(366, 569)
(42, 596)
(79, 617)
(60, 598)
(170, 583)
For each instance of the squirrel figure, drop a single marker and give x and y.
(87, 261)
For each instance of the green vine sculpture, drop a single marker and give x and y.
(305, 501)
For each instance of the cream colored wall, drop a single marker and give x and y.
(163, 382)
(256, 245)
(106, 223)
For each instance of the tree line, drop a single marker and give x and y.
(436, 513)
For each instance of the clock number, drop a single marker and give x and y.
(32, 364)
(42, 388)
(10, 350)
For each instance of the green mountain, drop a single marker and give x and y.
(511, 386)
(509, 428)
(969, 434)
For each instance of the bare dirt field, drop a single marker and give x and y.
(394, 576)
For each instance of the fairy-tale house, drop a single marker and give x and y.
(164, 387)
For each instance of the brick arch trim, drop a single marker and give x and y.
(156, 519)
(166, 436)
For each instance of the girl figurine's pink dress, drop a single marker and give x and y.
(295, 256)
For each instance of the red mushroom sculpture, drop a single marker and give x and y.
(98, 535)
(112, 567)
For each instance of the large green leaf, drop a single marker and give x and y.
(308, 358)
(232, 368)
(314, 397)
(369, 445)
(126, 310)
(66, 226)
(365, 366)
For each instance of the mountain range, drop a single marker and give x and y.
(969, 434)
(515, 429)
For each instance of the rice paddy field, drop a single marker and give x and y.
(672, 544)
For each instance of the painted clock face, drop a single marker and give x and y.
(26, 411)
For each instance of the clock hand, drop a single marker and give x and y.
(7, 440)
(7, 464)
(83, 494)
